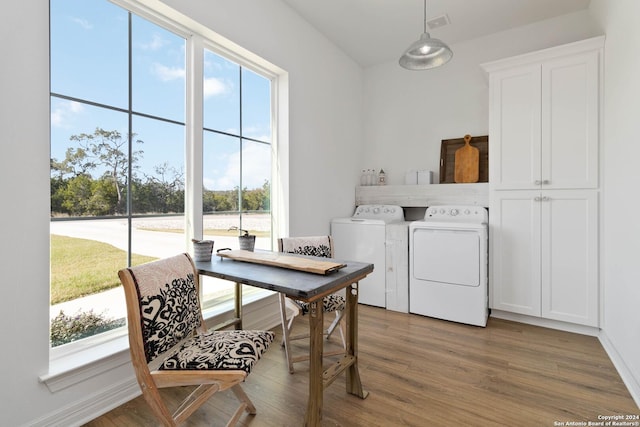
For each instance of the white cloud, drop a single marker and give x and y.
(156, 43)
(257, 165)
(83, 23)
(257, 168)
(214, 86)
(64, 112)
(167, 74)
(75, 107)
(256, 132)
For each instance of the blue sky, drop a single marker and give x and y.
(89, 60)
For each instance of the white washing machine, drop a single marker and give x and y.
(379, 235)
(448, 254)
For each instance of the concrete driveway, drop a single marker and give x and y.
(157, 243)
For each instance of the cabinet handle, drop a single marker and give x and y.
(537, 199)
(545, 182)
(537, 182)
(545, 198)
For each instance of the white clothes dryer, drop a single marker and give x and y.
(379, 235)
(448, 264)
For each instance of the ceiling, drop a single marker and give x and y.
(376, 31)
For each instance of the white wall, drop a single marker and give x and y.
(621, 245)
(325, 138)
(24, 110)
(408, 113)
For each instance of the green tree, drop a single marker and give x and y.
(106, 151)
(104, 198)
(256, 199)
(58, 185)
(232, 198)
(208, 201)
(92, 177)
(166, 189)
(251, 200)
(266, 196)
(76, 195)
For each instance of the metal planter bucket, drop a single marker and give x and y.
(247, 242)
(202, 250)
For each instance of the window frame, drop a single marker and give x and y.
(77, 361)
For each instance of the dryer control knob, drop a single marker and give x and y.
(467, 211)
(454, 212)
(376, 210)
(441, 211)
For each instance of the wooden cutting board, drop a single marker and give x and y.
(467, 162)
(291, 262)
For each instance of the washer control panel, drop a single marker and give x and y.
(388, 213)
(455, 213)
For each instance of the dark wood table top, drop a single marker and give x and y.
(296, 284)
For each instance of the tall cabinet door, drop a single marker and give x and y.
(515, 252)
(570, 119)
(570, 256)
(514, 126)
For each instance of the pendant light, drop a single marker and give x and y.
(425, 53)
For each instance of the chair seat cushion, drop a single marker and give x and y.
(220, 350)
(330, 303)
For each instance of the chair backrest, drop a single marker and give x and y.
(163, 304)
(321, 246)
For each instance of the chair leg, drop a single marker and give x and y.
(197, 397)
(245, 405)
(338, 322)
(242, 396)
(286, 325)
(157, 405)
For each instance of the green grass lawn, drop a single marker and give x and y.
(82, 267)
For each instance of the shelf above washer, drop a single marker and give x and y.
(424, 195)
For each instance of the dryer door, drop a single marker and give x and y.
(446, 256)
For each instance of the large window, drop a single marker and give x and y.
(236, 142)
(118, 163)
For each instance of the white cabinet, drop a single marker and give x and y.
(515, 128)
(543, 184)
(515, 256)
(543, 120)
(544, 254)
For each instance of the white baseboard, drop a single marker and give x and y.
(546, 323)
(92, 406)
(633, 384)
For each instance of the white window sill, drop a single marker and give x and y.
(74, 363)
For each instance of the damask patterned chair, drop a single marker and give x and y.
(320, 246)
(171, 347)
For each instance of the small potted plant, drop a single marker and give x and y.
(202, 249)
(247, 241)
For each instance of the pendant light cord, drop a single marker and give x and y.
(425, 16)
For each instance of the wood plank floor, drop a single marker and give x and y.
(427, 372)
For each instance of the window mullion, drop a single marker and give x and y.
(194, 138)
(130, 142)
